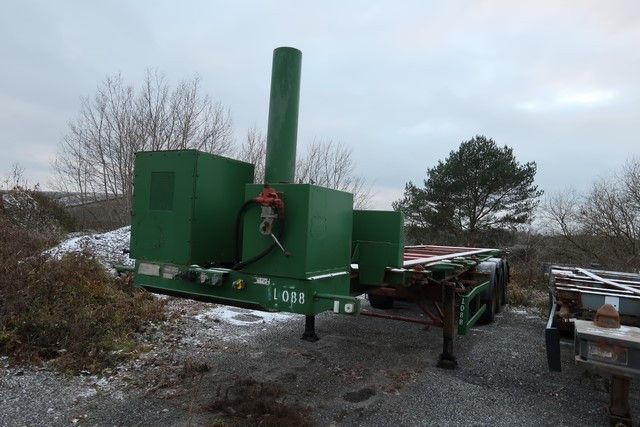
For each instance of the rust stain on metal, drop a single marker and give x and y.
(607, 317)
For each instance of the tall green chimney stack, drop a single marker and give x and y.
(282, 133)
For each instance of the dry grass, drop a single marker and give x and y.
(69, 311)
(193, 367)
(527, 288)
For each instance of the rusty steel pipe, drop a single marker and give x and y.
(401, 318)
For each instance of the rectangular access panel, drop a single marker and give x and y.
(316, 234)
(378, 243)
(184, 206)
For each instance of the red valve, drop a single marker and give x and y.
(270, 197)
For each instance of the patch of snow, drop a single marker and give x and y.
(107, 247)
(237, 324)
(25, 211)
(8, 200)
(102, 383)
(87, 393)
(241, 316)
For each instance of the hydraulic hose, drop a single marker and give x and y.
(239, 217)
(242, 264)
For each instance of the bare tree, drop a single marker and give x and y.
(604, 225)
(561, 217)
(631, 180)
(95, 158)
(331, 164)
(253, 150)
(324, 163)
(15, 177)
(73, 171)
(151, 109)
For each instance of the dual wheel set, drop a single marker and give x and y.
(495, 297)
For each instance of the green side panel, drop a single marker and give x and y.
(184, 206)
(219, 193)
(161, 192)
(162, 206)
(317, 232)
(378, 243)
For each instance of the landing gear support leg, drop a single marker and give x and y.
(619, 411)
(310, 329)
(447, 359)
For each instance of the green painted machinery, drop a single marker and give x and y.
(177, 216)
(202, 229)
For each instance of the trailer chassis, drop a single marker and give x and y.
(443, 283)
(575, 296)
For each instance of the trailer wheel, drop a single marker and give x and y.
(505, 280)
(500, 283)
(489, 314)
(490, 297)
(380, 301)
(501, 280)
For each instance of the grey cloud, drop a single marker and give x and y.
(401, 84)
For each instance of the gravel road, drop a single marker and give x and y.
(217, 365)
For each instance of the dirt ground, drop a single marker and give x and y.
(223, 366)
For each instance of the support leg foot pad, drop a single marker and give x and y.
(447, 361)
(617, 421)
(312, 337)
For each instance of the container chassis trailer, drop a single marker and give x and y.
(600, 310)
(202, 229)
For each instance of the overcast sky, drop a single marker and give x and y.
(401, 84)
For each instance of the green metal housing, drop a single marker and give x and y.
(378, 243)
(184, 206)
(317, 233)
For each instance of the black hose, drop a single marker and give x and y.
(264, 253)
(239, 217)
(242, 264)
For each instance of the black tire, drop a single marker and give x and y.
(502, 282)
(380, 301)
(489, 314)
(490, 297)
(505, 280)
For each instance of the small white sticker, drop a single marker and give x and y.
(149, 269)
(169, 271)
(348, 308)
(614, 301)
(263, 281)
(336, 306)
